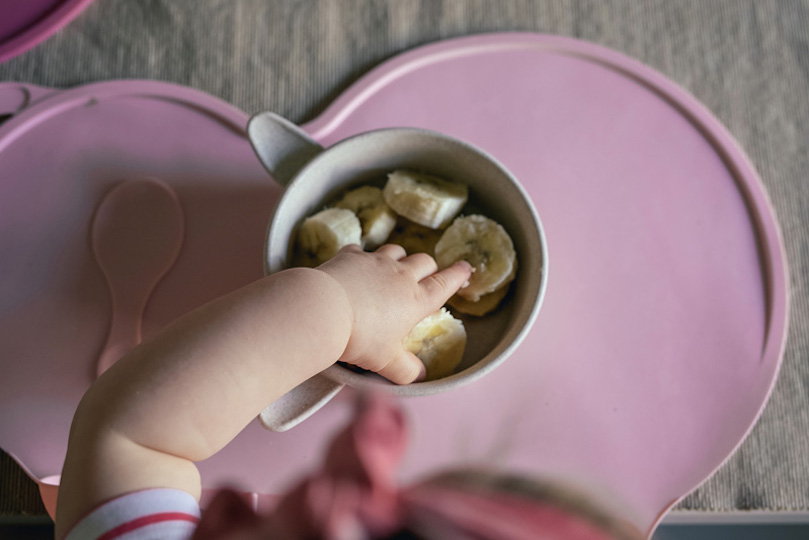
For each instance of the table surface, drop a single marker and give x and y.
(747, 61)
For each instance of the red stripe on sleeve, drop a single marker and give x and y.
(143, 521)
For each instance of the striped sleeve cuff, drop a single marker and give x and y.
(166, 514)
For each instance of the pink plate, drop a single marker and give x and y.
(26, 23)
(664, 322)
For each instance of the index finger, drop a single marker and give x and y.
(438, 287)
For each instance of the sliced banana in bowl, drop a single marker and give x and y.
(424, 199)
(485, 305)
(376, 217)
(322, 235)
(415, 238)
(439, 341)
(484, 244)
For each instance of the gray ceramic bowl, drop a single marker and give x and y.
(313, 175)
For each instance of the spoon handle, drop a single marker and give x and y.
(125, 335)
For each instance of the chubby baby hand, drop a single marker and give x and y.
(389, 293)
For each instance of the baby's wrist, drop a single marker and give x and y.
(326, 293)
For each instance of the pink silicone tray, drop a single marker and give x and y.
(664, 322)
(26, 23)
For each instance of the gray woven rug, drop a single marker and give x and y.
(747, 61)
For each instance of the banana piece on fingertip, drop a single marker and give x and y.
(485, 245)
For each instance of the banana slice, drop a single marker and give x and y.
(414, 238)
(427, 200)
(439, 341)
(486, 304)
(484, 244)
(376, 217)
(322, 235)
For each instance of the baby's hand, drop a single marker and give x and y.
(390, 293)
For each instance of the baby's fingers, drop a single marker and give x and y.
(438, 287)
(404, 369)
(420, 264)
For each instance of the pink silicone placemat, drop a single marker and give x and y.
(665, 316)
(26, 23)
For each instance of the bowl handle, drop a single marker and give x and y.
(299, 403)
(281, 146)
(284, 149)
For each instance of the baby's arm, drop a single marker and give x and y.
(184, 395)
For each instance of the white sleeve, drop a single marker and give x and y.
(165, 514)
